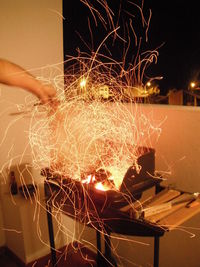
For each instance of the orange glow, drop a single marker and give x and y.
(89, 179)
(101, 187)
(105, 186)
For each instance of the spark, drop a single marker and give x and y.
(56, 12)
(12, 230)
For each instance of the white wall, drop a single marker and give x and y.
(178, 147)
(32, 37)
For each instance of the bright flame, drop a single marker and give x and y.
(88, 180)
(101, 187)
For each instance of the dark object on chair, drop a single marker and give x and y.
(28, 190)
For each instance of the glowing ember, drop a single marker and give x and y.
(101, 187)
(90, 179)
(106, 183)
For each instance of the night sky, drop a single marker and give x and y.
(174, 27)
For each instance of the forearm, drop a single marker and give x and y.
(13, 75)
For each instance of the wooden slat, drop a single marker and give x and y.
(155, 218)
(176, 204)
(162, 197)
(136, 205)
(180, 216)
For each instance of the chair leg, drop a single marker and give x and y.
(108, 252)
(156, 251)
(98, 236)
(51, 233)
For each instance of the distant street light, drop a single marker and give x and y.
(192, 85)
(148, 84)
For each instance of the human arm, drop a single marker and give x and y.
(14, 75)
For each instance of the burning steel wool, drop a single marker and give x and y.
(86, 135)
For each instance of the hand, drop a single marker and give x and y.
(47, 94)
(14, 75)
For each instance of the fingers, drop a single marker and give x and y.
(47, 94)
(49, 90)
